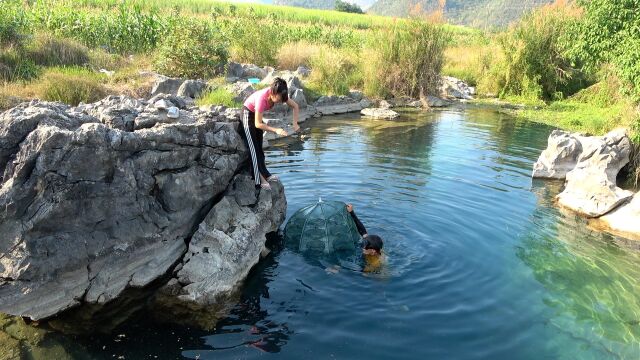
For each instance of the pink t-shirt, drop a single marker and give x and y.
(259, 101)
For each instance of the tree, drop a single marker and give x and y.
(348, 7)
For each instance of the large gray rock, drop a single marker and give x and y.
(166, 85)
(241, 90)
(245, 71)
(455, 88)
(379, 113)
(332, 105)
(590, 187)
(90, 210)
(236, 227)
(299, 98)
(560, 156)
(192, 88)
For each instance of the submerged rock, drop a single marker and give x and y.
(624, 219)
(590, 187)
(379, 113)
(90, 208)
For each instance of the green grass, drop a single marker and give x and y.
(71, 85)
(584, 117)
(280, 13)
(218, 96)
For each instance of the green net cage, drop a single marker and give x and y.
(323, 227)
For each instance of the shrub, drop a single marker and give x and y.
(49, 50)
(535, 64)
(15, 66)
(348, 7)
(193, 50)
(218, 96)
(405, 60)
(252, 40)
(333, 72)
(71, 85)
(292, 55)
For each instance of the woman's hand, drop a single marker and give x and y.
(282, 132)
(296, 127)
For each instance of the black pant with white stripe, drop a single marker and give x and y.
(253, 139)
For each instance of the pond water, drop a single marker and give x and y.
(479, 262)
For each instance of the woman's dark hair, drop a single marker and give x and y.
(373, 242)
(279, 86)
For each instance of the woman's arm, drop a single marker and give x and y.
(262, 126)
(296, 114)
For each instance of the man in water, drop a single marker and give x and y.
(371, 244)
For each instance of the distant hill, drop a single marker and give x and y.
(478, 13)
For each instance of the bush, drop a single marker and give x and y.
(333, 72)
(535, 64)
(405, 60)
(292, 55)
(49, 50)
(70, 85)
(348, 7)
(218, 96)
(192, 50)
(252, 40)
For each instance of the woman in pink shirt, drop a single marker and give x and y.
(259, 102)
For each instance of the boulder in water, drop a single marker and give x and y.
(379, 113)
(91, 208)
(591, 187)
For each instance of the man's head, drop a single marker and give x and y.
(372, 245)
(279, 91)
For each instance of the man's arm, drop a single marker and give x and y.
(361, 229)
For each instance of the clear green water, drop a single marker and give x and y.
(480, 264)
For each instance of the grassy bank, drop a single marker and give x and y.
(569, 64)
(196, 38)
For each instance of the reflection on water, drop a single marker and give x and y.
(480, 263)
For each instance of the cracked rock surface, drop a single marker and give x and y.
(106, 196)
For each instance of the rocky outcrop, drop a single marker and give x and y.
(236, 226)
(379, 113)
(241, 90)
(107, 196)
(560, 156)
(237, 71)
(456, 89)
(591, 188)
(590, 165)
(178, 87)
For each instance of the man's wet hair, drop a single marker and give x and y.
(373, 242)
(279, 86)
